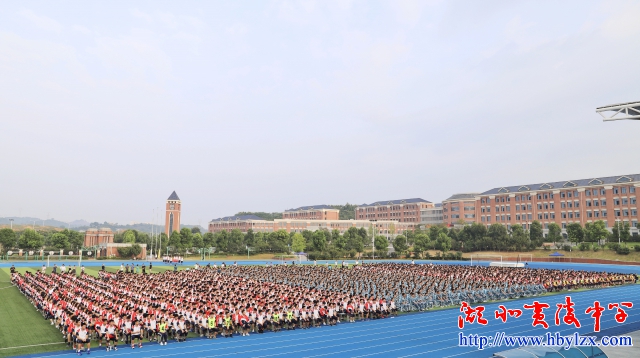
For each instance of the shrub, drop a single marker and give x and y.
(596, 248)
(623, 250)
(637, 247)
(585, 246)
(613, 246)
(566, 247)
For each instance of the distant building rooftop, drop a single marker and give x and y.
(397, 202)
(618, 179)
(462, 196)
(313, 207)
(238, 218)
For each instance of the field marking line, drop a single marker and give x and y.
(33, 345)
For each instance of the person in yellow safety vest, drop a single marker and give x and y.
(275, 322)
(162, 329)
(212, 330)
(228, 326)
(291, 321)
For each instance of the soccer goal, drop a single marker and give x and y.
(477, 258)
(525, 258)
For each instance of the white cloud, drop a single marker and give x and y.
(43, 22)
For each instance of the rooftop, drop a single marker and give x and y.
(397, 202)
(238, 218)
(462, 196)
(173, 196)
(618, 179)
(313, 207)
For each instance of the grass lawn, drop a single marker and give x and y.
(22, 325)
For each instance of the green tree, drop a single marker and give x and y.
(198, 241)
(595, 231)
(250, 238)
(381, 244)
(443, 243)
(519, 238)
(195, 230)
(421, 243)
(235, 242)
(209, 240)
(535, 233)
(319, 240)
(186, 240)
(59, 241)
(222, 240)
(575, 233)
(400, 244)
(175, 241)
(278, 241)
(74, 238)
(129, 237)
(8, 239)
(29, 239)
(625, 233)
(555, 233)
(499, 236)
(298, 243)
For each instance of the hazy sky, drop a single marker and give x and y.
(107, 107)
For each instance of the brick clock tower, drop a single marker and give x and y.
(172, 219)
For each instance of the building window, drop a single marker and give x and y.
(603, 202)
(539, 206)
(588, 203)
(497, 217)
(604, 213)
(634, 212)
(596, 214)
(564, 215)
(508, 217)
(577, 214)
(602, 191)
(530, 216)
(576, 204)
(529, 206)
(553, 215)
(539, 216)
(587, 193)
(633, 201)
(517, 216)
(632, 189)
(570, 215)
(563, 205)
(615, 190)
(589, 214)
(546, 216)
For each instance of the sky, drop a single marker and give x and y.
(107, 107)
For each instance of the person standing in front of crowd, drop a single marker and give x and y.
(162, 330)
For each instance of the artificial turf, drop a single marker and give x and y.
(21, 325)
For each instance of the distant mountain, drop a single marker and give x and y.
(83, 225)
(79, 223)
(33, 221)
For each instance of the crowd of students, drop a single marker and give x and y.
(227, 300)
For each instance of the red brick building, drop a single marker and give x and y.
(93, 237)
(172, 217)
(458, 208)
(315, 212)
(609, 199)
(403, 210)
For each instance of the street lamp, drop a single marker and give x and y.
(618, 224)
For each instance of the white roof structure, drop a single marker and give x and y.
(615, 112)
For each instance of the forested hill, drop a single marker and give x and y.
(261, 214)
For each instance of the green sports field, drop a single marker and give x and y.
(27, 332)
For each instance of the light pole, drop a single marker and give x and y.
(618, 224)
